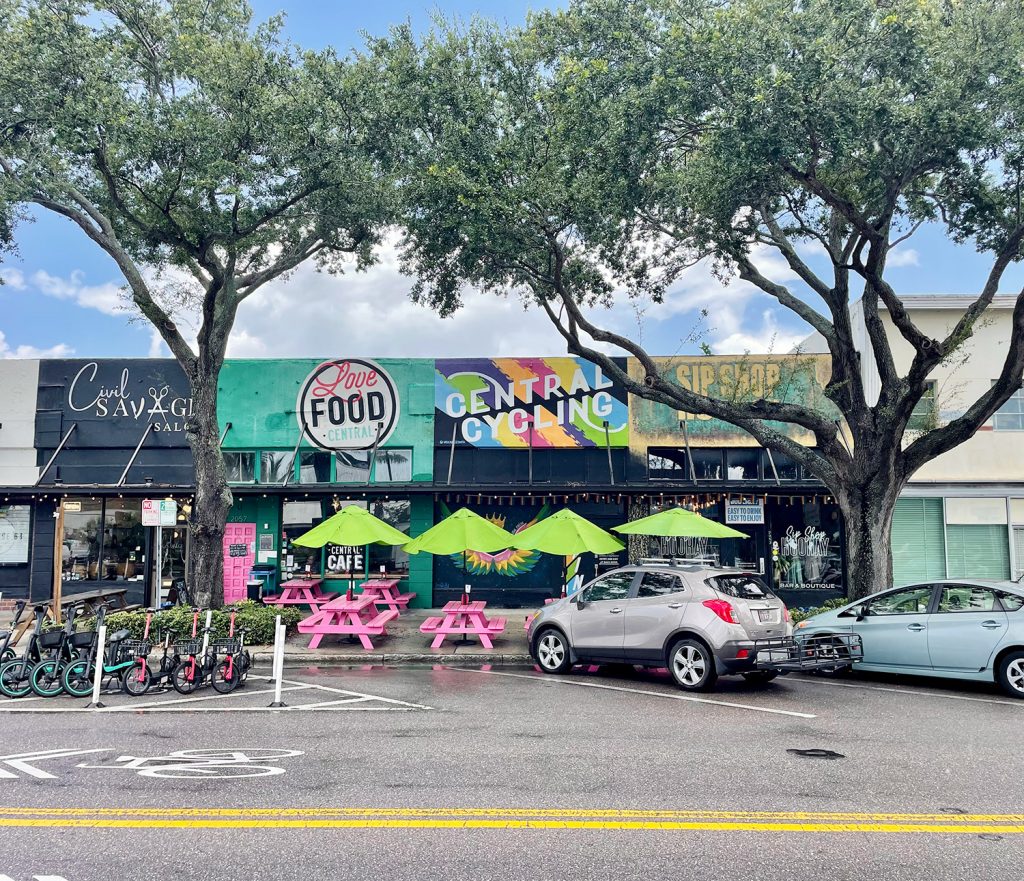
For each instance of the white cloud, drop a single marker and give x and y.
(315, 315)
(768, 337)
(107, 298)
(61, 350)
(903, 257)
(13, 278)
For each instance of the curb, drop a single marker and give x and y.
(396, 659)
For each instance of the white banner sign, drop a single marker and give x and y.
(744, 512)
(14, 533)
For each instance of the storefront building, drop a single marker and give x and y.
(514, 439)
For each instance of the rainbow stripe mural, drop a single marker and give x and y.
(516, 402)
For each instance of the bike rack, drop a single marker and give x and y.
(826, 652)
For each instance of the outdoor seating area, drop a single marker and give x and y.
(464, 620)
(300, 592)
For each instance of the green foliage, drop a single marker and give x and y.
(799, 615)
(256, 618)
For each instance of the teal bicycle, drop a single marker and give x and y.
(123, 661)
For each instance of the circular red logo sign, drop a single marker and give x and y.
(348, 404)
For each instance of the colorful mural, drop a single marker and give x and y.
(509, 563)
(519, 402)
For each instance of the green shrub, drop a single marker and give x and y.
(827, 606)
(256, 618)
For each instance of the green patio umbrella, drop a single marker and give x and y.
(462, 531)
(354, 527)
(679, 522)
(567, 534)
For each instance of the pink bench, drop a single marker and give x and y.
(355, 617)
(463, 620)
(385, 593)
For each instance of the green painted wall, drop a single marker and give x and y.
(421, 566)
(258, 398)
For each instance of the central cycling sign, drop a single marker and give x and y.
(348, 404)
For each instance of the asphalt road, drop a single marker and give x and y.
(420, 773)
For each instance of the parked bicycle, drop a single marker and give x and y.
(189, 673)
(15, 675)
(123, 662)
(45, 677)
(233, 670)
(7, 636)
(161, 675)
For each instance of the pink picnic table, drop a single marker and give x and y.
(463, 619)
(348, 617)
(300, 592)
(385, 593)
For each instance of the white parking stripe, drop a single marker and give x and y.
(121, 708)
(676, 697)
(912, 691)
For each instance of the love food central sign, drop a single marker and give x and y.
(348, 404)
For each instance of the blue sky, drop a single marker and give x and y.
(61, 296)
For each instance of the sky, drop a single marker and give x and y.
(63, 298)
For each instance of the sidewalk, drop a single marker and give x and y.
(404, 644)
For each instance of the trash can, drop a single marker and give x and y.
(254, 589)
(267, 574)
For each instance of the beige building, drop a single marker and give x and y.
(962, 514)
(18, 383)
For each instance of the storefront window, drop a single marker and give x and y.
(806, 549)
(1010, 417)
(667, 463)
(124, 541)
(393, 466)
(786, 468)
(742, 464)
(14, 526)
(80, 546)
(352, 466)
(298, 517)
(275, 466)
(240, 467)
(314, 467)
(397, 513)
(707, 463)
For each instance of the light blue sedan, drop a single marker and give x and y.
(956, 629)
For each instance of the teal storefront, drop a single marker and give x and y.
(376, 453)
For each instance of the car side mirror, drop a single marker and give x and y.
(861, 612)
(580, 602)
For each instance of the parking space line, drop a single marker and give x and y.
(121, 708)
(342, 700)
(910, 691)
(349, 693)
(676, 697)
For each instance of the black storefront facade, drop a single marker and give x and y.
(513, 439)
(110, 435)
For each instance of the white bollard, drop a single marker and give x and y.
(278, 668)
(206, 634)
(97, 676)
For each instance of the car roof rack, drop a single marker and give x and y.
(691, 562)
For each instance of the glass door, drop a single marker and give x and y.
(173, 561)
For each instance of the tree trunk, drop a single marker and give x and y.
(212, 500)
(867, 511)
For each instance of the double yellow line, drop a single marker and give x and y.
(512, 818)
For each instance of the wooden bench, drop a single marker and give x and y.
(431, 624)
(496, 625)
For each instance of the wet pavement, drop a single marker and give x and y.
(501, 772)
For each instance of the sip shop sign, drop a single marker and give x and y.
(348, 404)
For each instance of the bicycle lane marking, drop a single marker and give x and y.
(676, 697)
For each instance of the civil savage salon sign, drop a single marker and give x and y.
(120, 396)
(348, 404)
(522, 402)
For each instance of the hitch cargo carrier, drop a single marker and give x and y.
(826, 652)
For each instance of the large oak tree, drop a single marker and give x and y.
(205, 156)
(602, 150)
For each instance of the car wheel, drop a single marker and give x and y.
(1010, 674)
(692, 665)
(760, 677)
(552, 651)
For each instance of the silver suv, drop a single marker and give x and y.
(697, 621)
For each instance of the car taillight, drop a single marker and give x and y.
(723, 609)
